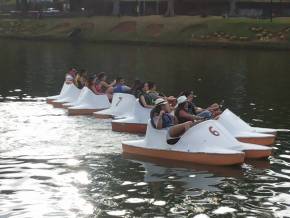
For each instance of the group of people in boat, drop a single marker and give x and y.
(176, 114)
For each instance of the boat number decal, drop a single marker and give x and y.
(120, 99)
(214, 132)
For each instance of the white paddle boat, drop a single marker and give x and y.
(71, 94)
(89, 103)
(122, 106)
(206, 143)
(76, 102)
(60, 95)
(244, 132)
(135, 122)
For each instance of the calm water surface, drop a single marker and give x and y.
(52, 165)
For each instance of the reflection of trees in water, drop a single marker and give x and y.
(215, 74)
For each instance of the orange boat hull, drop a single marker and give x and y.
(258, 141)
(198, 158)
(135, 128)
(257, 154)
(80, 112)
(49, 101)
(103, 116)
(58, 104)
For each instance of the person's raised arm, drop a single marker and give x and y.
(188, 116)
(113, 83)
(159, 122)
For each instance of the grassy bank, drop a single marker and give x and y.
(180, 30)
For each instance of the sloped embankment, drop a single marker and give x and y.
(180, 30)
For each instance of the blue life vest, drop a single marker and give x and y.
(118, 88)
(167, 120)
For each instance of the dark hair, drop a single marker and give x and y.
(143, 84)
(186, 93)
(155, 110)
(119, 78)
(151, 84)
(82, 72)
(101, 75)
(137, 84)
(90, 80)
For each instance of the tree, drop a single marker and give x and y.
(116, 8)
(233, 7)
(170, 8)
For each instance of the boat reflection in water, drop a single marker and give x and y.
(194, 177)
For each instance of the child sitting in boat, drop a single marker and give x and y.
(120, 86)
(161, 118)
(144, 98)
(70, 76)
(181, 111)
(81, 79)
(103, 87)
(209, 113)
(90, 83)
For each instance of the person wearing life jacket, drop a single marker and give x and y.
(120, 86)
(103, 87)
(161, 118)
(181, 111)
(81, 79)
(208, 113)
(144, 98)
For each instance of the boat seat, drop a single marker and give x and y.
(173, 141)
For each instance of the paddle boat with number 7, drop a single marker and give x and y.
(135, 122)
(206, 143)
(122, 106)
(244, 132)
(89, 103)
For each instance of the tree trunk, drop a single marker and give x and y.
(170, 9)
(232, 7)
(116, 8)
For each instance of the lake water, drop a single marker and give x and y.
(52, 165)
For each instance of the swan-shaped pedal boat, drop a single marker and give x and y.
(135, 122)
(206, 143)
(122, 106)
(50, 99)
(71, 94)
(89, 103)
(244, 132)
(75, 102)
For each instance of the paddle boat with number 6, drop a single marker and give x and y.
(71, 94)
(206, 143)
(89, 103)
(122, 106)
(244, 132)
(135, 122)
(50, 99)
